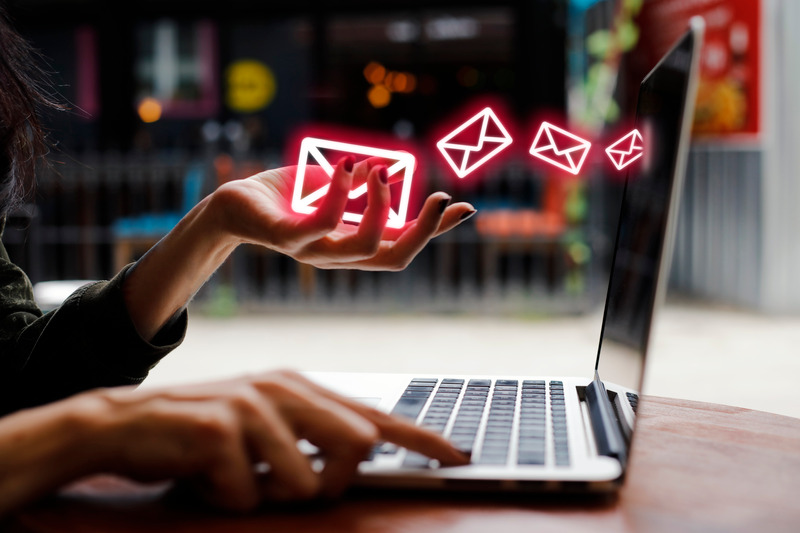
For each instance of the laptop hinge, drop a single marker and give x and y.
(607, 433)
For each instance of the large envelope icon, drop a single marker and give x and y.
(320, 152)
(474, 142)
(560, 148)
(626, 150)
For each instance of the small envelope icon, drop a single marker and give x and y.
(560, 148)
(326, 154)
(626, 150)
(474, 142)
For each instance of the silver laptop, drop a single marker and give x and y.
(530, 432)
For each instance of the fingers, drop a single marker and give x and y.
(273, 442)
(228, 481)
(343, 436)
(327, 216)
(377, 212)
(345, 431)
(242, 425)
(394, 429)
(396, 255)
(363, 242)
(392, 257)
(454, 215)
(364, 167)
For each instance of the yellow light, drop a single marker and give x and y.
(251, 86)
(149, 110)
(374, 72)
(379, 96)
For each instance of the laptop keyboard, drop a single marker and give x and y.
(633, 399)
(498, 405)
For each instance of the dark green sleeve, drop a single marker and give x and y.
(87, 342)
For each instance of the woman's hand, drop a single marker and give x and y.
(258, 210)
(216, 437)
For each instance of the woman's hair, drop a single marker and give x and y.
(23, 142)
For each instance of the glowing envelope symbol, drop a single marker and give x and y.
(474, 142)
(322, 152)
(626, 150)
(560, 148)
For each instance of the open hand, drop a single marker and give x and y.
(258, 210)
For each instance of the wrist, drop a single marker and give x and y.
(215, 219)
(163, 281)
(218, 217)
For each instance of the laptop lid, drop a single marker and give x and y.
(646, 228)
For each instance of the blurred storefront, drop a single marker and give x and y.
(160, 91)
(738, 234)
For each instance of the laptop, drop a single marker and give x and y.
(559, 433)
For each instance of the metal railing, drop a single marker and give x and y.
(68, 233)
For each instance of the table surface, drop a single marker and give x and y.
(694, 467)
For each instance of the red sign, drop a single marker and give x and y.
(730, 71)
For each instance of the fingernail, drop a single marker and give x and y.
(468, 214)
(348, 163)
(443, 204)
(383, 174)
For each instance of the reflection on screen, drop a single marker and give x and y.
(643, 222)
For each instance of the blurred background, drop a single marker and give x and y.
(171, 98)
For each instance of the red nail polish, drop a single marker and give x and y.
(383, 174)
(348, 163)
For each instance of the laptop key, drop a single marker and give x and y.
(409, 407)
(414, 398)
(558, 420)
(633, 399)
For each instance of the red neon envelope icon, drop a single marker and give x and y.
(325, 154)
(626, 150)
(560, 148)
(474, 142)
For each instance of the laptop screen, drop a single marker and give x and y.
(647, 212)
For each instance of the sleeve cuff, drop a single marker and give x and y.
(110, 332)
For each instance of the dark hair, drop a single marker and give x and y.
(23, 142)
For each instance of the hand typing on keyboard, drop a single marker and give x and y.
(234, 443)
(484, 419)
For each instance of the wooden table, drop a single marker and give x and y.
(695, 467)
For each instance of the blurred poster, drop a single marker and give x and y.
(728, 94)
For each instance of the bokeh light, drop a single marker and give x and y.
(385, 82)
(379, 96)
(374, 72)
(150, 110)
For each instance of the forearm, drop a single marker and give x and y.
(42, 449)
(164, 280)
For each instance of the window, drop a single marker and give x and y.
(176, 67)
